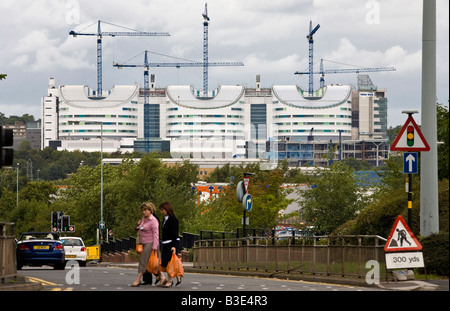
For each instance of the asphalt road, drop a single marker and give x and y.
(101, 278)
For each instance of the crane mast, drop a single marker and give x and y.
(205, 50)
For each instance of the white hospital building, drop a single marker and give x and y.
(234, 121)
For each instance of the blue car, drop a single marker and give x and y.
(40, 248)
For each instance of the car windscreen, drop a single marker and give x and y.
(71, 242)
(38, 236)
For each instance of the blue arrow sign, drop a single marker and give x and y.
(410, 165)
(247, 202)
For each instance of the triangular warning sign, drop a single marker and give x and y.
(401, 238)
(246, 182)
(416, 141)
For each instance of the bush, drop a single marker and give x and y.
(435, 253)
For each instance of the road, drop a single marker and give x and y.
(102, 278)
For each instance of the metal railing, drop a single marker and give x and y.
(119, 245)
(8, 263)
(328, 255)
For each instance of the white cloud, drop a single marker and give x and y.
(268, 36)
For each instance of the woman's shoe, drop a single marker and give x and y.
(179, 279)
(167, 285)
(157, 280)
(162, 282)
(135, 285)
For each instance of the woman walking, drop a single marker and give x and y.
(168, 240)
(148, 228)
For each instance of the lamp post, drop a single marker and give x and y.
(101, 181)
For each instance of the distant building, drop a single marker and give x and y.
(232, 122)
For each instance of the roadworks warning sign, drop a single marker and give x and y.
(401, 238)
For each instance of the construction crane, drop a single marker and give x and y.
(205, 50)
(322, 72)
(206, 62)
(100, 34)
(311, 54)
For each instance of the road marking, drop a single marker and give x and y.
(43, 282)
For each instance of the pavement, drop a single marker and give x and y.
(21, 283)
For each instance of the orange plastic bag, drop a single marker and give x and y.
(139, 248)
(171, 266)
(179, 267)
(175, 267)
(153, 262)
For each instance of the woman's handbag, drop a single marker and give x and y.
(139, 246)
(153, 263)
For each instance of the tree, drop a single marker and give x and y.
(443, 136)
(269, 199)
(334, 199)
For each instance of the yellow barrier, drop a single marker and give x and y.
(93, 252)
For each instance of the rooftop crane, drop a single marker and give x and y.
(100, 34)
(322, 72)
(205, 64)
(205, 50)
(311, 54)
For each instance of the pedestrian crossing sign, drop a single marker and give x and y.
(401, 238)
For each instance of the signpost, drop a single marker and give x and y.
(245, 198)
(411, 140)
(402, 247)
(410, 163)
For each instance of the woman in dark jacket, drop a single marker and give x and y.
(168, 239)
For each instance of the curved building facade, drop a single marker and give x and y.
(229, 123)
(296, 117)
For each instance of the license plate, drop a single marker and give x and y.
(41, 247)
(71, 256)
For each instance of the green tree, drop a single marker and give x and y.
(225, 212)
(443, 136)
(334, 199)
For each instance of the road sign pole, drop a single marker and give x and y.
(409, 200)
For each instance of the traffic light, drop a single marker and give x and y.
(55, 227)
(65, 223)
(60, 218)
(6, 140)
(410, 136)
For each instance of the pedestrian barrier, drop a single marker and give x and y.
(344, 256)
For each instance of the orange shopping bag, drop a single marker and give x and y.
(179, 267)
(153, 263)
(171, 266)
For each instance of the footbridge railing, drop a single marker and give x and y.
(346, 256)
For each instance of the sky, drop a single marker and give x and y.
(268, 36)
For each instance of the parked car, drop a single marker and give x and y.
(74, 249)
(40, 248)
